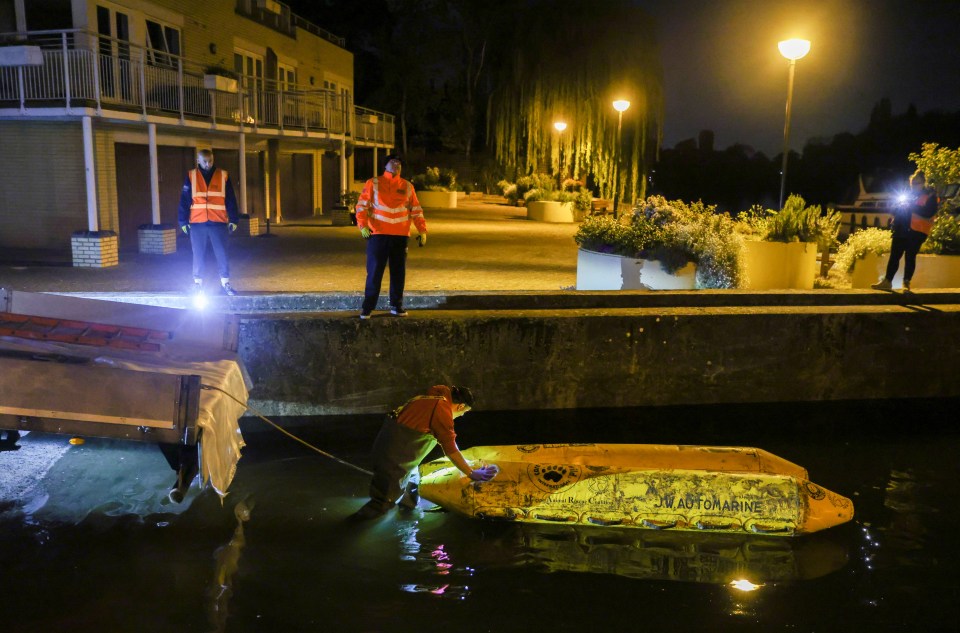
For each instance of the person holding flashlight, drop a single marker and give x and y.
(912, 221)
(208, 213)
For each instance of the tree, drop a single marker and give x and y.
(570, 60)
(940, 165)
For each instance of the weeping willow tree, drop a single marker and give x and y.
(568, 61)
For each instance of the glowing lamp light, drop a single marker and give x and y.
(200, 301)
(794, 49)
(560, 126)
(621, 105)
(743, 584)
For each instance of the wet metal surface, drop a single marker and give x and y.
(93, 545)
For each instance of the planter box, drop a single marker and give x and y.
(95, 249)
(549, 211)
(779, 265)
(157, 239)
(249, 227)
(219, 82)
(438, 199)
(20, 56)
(341, 216)
(603, 271)
(933, 271)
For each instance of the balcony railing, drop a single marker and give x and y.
(82, 69)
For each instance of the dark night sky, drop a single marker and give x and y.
(722, 70)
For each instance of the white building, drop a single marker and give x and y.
(103, 105)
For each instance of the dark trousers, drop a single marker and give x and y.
(216, 234)
(905, 243)
(397, 452)
(383, 250)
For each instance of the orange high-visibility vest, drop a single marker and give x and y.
(433, 414)
(388, 204)
(209, 201)
(918, 222)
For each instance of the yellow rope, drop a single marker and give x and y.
(284, 431)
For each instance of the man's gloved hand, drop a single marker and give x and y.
(485, 474)
(185, 228)
(365, 232)
(422, 239)
(231, 227)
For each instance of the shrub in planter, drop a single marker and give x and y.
(858, 244)
(435, 179)
(675, 234)
(517, 191)
(349, 199)
(793, 264)
(944, 238)
(796, 222)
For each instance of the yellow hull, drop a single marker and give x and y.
(721, 489)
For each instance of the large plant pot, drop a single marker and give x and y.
(220, 83)
(550, 211)
(438, 199)
(602, 271)
(933, 271)
(779, 265)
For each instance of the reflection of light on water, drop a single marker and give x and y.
(867, 549)
(441, 557)
(742, 597)
(743, 584)
(432, 558)
(868, 552)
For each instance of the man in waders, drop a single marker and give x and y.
(407, 437)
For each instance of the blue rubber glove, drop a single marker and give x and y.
(485, 474)
(365, 232)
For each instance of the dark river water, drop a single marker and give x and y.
(95, 546)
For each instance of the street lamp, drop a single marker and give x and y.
(560, 126)
(620, 105)
(793, 50)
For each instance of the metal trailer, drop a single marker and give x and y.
(66, 393)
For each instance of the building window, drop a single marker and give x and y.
(286, 77)
(363, 167)
(163, 44)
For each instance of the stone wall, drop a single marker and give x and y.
(620, 357)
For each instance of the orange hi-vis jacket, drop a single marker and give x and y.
(209, 202)
(388, 204)
(433, 414)
(927, 205)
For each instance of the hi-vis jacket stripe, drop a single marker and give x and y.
(387, 205)
(209, 202)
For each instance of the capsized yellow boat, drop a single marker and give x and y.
(655, 486)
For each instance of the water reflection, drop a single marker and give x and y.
(712, 559)
(431, 558)
(227, 562)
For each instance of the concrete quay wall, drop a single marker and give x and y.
(333, 363)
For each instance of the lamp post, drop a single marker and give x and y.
(560, 126)
(620, 105)
(793, 50)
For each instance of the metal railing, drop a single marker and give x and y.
(82, 69)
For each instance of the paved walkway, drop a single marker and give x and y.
(477, 247)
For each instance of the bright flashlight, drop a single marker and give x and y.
(903, 199)
(200, 301)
